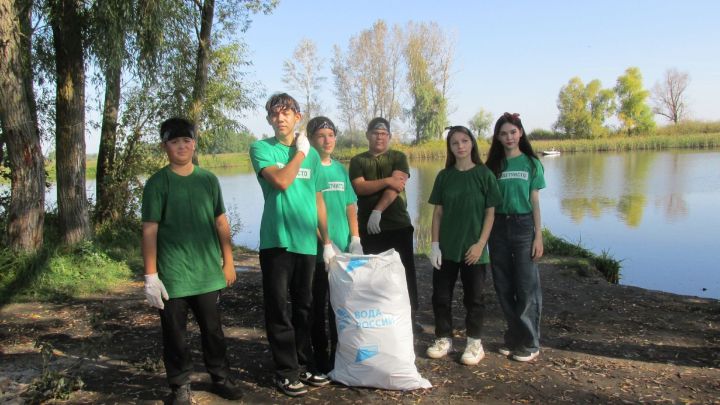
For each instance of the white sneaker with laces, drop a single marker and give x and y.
(473, 352)
(440, 348)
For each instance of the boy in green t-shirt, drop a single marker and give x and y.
(290, 176)
(343, 229)
(188, 260)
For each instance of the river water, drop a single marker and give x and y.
(656, 211)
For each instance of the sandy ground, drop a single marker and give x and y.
(602, 344)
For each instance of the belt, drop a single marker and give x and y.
(513, 216)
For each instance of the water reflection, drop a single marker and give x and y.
(655, 210)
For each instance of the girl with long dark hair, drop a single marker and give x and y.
(516, 238)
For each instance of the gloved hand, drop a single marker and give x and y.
(373, 225)
(302, 144)
(155, 291)
(355, 247)
(435, 255)
(328, 254)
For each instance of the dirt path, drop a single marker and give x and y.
(602, 344)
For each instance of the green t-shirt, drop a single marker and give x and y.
(189, 261)
(379, 167)
(338, 194)
(289, 217)
(517, 181)
(464, 196)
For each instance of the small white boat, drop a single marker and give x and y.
(551, 152)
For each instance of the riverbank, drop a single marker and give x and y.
(602, 343)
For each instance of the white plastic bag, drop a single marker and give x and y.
(372, 312)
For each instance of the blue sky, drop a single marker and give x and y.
(511, 56)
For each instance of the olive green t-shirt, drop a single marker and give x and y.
(338, 194)
(517, 181)
(289, 218)
(189, 260)
(379, 167)
(464, 196)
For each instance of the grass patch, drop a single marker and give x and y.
(57, 272)
(608, 266)
(632, 143)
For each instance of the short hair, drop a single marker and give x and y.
(320, 122)
(379, 123)
(176, 127)
(281, 101)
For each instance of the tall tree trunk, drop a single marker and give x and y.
(104, 208)
(26, 212)
(70, 120)
(201, 69)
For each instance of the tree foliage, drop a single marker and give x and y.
(669, 95)
(481, 123)
(367, 78)
(634, 113)
(583, 110)
(427, 65)
(302, 73)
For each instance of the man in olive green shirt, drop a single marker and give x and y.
(378, 177)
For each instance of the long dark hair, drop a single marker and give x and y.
(496, 160)
(474, 154)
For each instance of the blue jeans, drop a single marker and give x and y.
(516, 279)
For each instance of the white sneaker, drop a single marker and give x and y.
(440, 348)
(473, 352)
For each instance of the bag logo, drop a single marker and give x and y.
(354, 264)
(366, 352)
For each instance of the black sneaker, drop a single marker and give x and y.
(316, 379)
(181, 395)
(293, 389)
(227, 389)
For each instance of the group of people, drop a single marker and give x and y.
(315, 208)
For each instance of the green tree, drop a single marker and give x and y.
(583, 109)
(429, 110)
(480, 123)
(634, 113)
(18, 121)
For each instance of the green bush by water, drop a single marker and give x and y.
(608, 266)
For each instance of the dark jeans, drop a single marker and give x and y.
(516, 279)
(176, 352)
(287, 277)
(402, 241)
(324, 359)
(473, 281)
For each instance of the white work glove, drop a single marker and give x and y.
(302, 144)
(435, 255)
(328, 254)
(155, 291)
(373, 225)
(355, 247)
